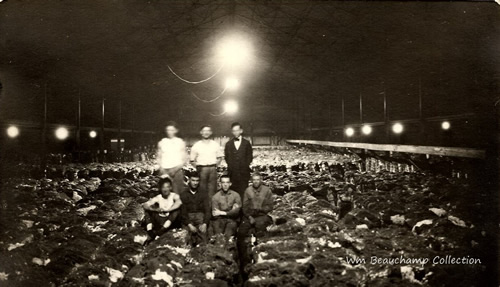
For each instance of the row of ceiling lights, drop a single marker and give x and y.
(60, 133)
(397, 128)
(235, 53)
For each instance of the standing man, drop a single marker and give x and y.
(206, 155)
(239, 155)
(172, 157)
(226, 205)
(195, 211)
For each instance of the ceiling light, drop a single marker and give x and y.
(230, 107)
(349, 132)
(445, 125)
(232, 84)
(62, 133)
(366, 129)
(397, 128)
(12, 131)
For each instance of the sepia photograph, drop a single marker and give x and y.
(249, 143)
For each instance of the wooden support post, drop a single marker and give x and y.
(43, 152)
(79, 127)
(102, 132)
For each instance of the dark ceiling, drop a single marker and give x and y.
(308, 54)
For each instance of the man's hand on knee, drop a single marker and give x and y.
(203, 228)
(251, 220)
(167, 224)
(191, 228)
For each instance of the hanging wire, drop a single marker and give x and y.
(209, 101)
(195, 82)
(218, 115)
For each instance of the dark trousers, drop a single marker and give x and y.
(242, 238)
(223, 225)
(208, 180)
(177, 178)
(239, 180)
(258, 229)
(158, 221)
(195, 238)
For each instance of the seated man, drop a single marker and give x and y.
(195, 211)
(162, 209)
(226, 206)
(346, 200)
(257, 203)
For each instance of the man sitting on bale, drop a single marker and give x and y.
(195, 211)
(226, 206)
(162, 209)
(257, 203)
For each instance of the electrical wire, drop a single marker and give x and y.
(218, 115)
(195, 82)
(209, 101)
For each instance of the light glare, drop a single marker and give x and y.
(234, 51)
(62, 133)
(12, 131)
(349, 132)
(232, 84)
(366, 130)
(397, 128)
(230, 107)
(92, 134)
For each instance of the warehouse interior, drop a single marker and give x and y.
(373, 123)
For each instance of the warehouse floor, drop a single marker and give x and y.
(83, 228)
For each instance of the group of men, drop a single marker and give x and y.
(236, 209)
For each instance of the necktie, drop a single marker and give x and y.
(236, 139)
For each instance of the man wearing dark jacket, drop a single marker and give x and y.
(195, 211)
(238, 155)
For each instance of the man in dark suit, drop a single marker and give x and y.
(238, 154)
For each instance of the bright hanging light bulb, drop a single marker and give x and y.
(349, 132)
(92, 134)
(234, 51)
(62, 133)
(445, 125)
(230, 107)
(12, 131)
(366, 129)
(397, 128)
(232, 84)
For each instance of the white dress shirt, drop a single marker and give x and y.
(206, 152)
(171, 152)
(237, 144)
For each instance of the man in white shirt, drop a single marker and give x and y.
(206, 155)
(162, 209)
(172, 157)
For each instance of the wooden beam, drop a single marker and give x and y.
(431, 150)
